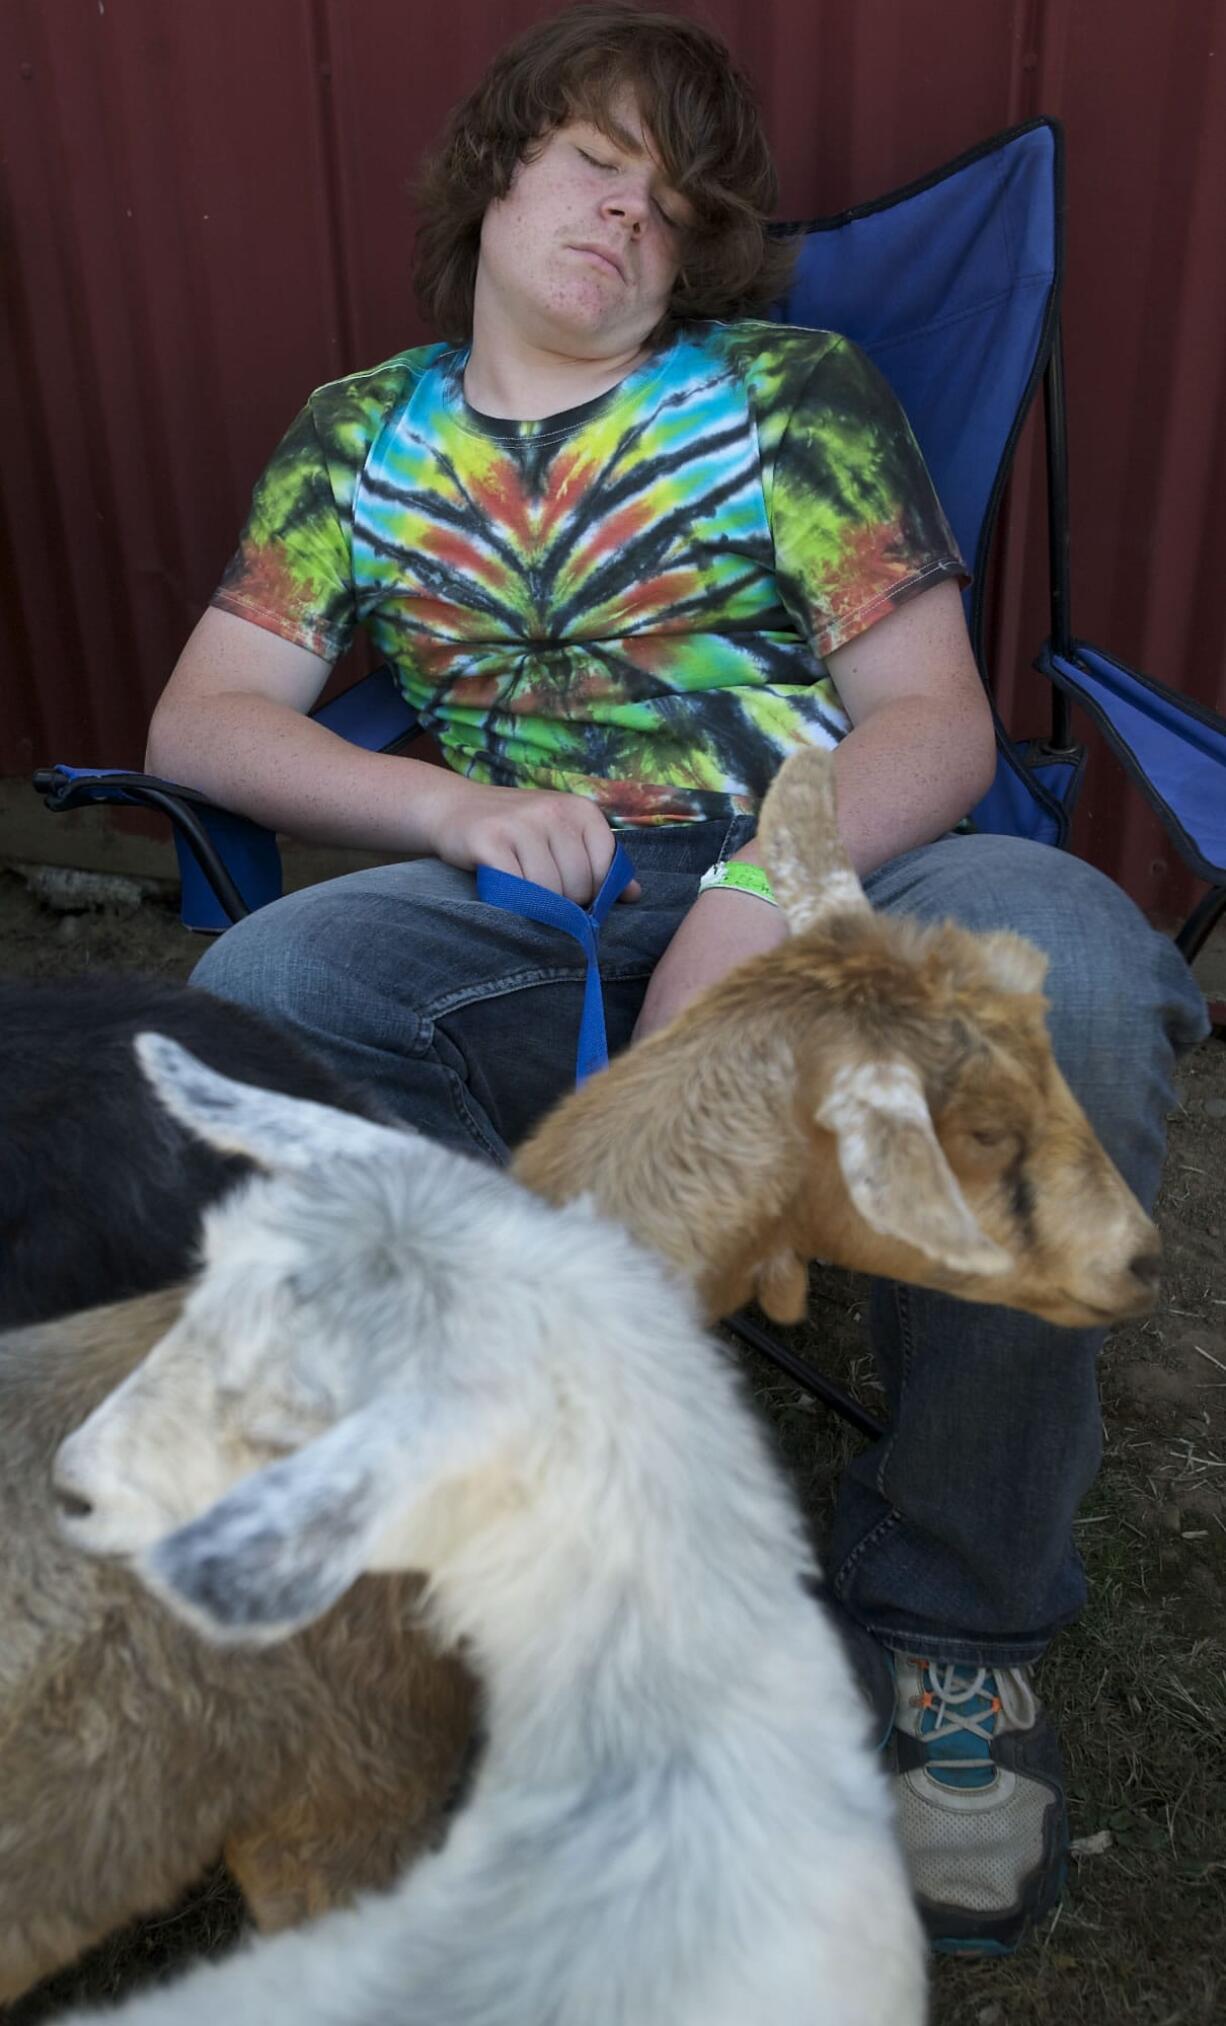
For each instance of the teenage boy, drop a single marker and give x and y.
(626, 545)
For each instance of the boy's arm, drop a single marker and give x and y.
(232, 722)
(921, 752)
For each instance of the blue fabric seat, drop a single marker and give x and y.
(952, 286)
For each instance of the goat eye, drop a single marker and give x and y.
(990, 1136)
(271, 1445)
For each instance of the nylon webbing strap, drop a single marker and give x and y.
(525, 897)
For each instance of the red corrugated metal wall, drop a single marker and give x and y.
(206, 213)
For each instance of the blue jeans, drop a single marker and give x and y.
(953, 1536)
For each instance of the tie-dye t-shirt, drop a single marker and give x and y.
(631, 600)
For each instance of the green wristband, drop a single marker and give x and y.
(744, 878)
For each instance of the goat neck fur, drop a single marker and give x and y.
(678, 1820)
(134, 1755)
(873, 1092)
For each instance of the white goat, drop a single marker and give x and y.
(678, 1820)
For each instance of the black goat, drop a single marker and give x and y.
(100, 1190)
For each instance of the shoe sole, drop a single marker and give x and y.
(989, 1945)
(948, 1947)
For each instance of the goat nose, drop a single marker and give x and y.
(1147, 1268)
(72, 1505)
(71, 1501)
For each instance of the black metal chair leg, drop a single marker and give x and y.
(806, 1375)
(1201, 922)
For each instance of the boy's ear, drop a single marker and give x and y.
(270, 1128)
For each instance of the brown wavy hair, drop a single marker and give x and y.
(696, 105)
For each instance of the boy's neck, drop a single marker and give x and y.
(522, 383)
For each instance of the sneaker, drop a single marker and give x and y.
(979, 1788)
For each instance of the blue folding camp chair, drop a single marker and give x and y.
(952, 286)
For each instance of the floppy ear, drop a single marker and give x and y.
(896, 1173)
(286, 1542)
(798, 828)
(281, 1547)
(271, 1129)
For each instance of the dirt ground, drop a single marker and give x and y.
(1138, 1688)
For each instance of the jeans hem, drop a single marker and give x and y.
(916, 1640)
(968, 1652)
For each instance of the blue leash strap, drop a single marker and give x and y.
(525, 897)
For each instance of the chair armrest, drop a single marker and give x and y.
(228, 865)
(1173, 748)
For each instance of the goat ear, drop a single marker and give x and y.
(1015, 964)
(286, 1542)
(896, 1173)
(271, 1129)
(281, 1547)
(799, 834)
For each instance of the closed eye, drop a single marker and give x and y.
(612, 168)
(997, 1138)
(279, 1437)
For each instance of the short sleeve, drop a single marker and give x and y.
(292, 571)
(856, 522)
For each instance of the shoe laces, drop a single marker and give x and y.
(959, 1709)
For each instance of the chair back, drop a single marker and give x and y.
(952, 287)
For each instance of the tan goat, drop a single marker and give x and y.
(133, 1755)
(876, 1093)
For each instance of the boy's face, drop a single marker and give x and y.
(579, 258)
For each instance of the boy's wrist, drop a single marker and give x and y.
(737, 876)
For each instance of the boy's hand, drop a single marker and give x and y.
(559, 841)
